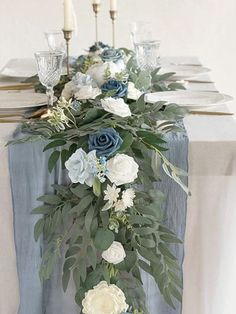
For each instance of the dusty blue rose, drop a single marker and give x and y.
(98, 46)
(106, 142)
(111, 54)
(120, 89)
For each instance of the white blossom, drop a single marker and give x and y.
(116, 106)
(115, 254)
(122, 169)
(104, 299)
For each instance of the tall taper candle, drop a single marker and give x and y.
(68, 16)
(113, 5)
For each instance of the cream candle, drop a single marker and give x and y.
(68, 15)
(96, 1)
(113, 5)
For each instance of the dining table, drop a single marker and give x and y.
(210, 258)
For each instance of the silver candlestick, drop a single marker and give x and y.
(67, 36)
(96, 10)
(113, 15)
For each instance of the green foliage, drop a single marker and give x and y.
(71, 221)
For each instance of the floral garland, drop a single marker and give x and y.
(111, 143)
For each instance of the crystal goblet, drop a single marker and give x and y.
(145, 45)
(49, 66)
(55, 40)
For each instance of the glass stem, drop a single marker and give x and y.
(50, 94)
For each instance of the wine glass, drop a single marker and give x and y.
(140, 32)
(145, 46)
(49, 66)
(55, 40)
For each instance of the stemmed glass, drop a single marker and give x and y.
(49, 66)
(145, 46)
(55, 40)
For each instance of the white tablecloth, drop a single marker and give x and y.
(210, 255)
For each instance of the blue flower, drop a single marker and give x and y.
(120, 89)
(81, 166)
(111, 54)
(98, 46)
(106, 142)
(76, 105)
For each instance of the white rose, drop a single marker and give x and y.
(116, 106)
(115, 254)
(133, 92)
(122, 169)
(67, 92)
(97, 71)
(87, 92)
(104, 299)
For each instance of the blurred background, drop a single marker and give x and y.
(203, 28)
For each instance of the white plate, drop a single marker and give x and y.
(19, 68)
(179, 60)
(21, 101)
(183, 72)
(190, 99)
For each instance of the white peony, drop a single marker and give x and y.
(87, 92)
(104, 299)
(122, 169)
(97, 71)
(133, 92)
(115, 254)
(116, 106)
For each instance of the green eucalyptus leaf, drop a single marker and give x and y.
(54, 144)
(145, 266)
(175, 292)
(165, 251)
(143, 81)
(89, 218)
(97, 187)
(168, 298)
(72, 251)
(103, 239)
(138, 219)
(83, 204)
(65, 280)
(80, 296)
(69, 263)
(50, 199)
(76, 277)
(127, 142)
(92, 255)
(170, 238)
(148, 243)
(45, 209)
(38, 228)
(175, 279)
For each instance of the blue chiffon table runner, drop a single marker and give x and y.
(30, 179)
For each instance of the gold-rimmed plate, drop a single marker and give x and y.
(17, 101)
